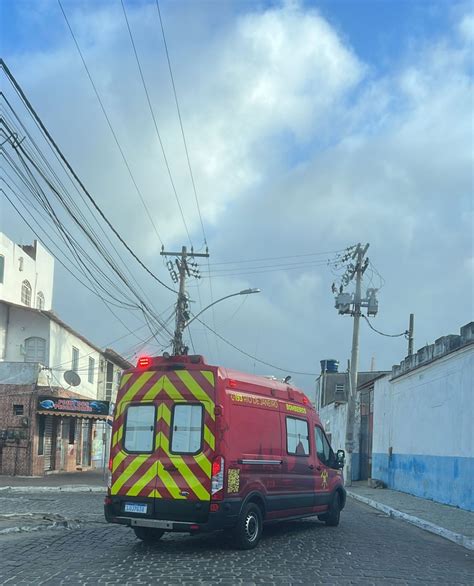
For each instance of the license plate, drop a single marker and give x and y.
(135, 508)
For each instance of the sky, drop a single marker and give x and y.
(310, 127)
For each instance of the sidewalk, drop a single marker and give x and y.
(452, 523)
(88, 481)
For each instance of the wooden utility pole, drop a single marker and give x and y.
(182, 313)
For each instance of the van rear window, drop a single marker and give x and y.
(139, 428)
(186, 432)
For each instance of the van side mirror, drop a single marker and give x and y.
(340, 459)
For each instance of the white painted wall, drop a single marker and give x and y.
(18, 325)
(39, 272)
(60, 360)
(428, 411)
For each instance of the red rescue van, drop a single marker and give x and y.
(197, 448)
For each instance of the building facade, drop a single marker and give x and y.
(423, 440)
(56, 388)
(331, 394)
(26, 274)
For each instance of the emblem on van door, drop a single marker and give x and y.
(324, 478)
(184, 493)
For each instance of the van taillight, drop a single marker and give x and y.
(217, 480)
(110, 463)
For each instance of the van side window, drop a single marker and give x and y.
(297, 436)
(186, 429)
(322, 446)
(139, 428)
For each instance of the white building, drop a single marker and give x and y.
(26, 274)
(54, 383)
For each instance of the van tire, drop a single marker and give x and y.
(332, 517)
(248, 530)
(148, 534)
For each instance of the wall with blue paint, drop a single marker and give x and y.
(423, 439)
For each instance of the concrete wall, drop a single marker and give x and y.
(20, 265)
(333, 418)
(423, 440)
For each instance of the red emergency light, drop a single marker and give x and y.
(144, 362)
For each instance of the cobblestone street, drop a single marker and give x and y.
(367, 548)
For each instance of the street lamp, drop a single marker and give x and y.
(243, 292)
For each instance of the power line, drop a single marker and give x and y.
(180, 121)
(154, 121)
(99, 99)
(225, 262)
(71, 170)
(405, 333)
(253, 357)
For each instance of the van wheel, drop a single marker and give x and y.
(249, 527)
(332, 517)
(148, 533)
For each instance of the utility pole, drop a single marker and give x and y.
(351, 305)
(411, 330)
(185, 269)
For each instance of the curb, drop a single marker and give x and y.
(65, 488)
(457, 538)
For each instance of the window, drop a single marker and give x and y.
(322, 446)
(75, 359)
(40, 300)
(20, 263)
(17, 409)
(339, 388)
(2, 268)
(42, 420)
(90, 374)
(26, 293)
(139, 428)
(72, 430)
(186, 429)
(297, 436)
(35, 350)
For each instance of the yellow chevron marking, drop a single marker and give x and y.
(154, 390)
(124, 379)
(117, 436)
(209, 437)
(119, 458)
(169, 483)
(193, 387)
(155, 494)
(137, 385)
(158, 417)
(184, 470)
(143, 480)
(209, 375)
(166, 414)
(171, 390)
(203, 461)
(127, 473)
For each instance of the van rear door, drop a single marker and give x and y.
(163, 443)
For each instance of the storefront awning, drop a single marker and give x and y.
(70, 414)
(73, 407)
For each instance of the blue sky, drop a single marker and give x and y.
(309, 130)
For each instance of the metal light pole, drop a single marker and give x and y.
(243, 292)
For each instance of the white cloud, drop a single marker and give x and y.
(296, 145)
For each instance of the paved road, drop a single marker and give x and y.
(367, 548)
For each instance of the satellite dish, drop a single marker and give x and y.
(72, 378)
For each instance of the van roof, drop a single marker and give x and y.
(254, 383)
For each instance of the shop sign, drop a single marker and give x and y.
(68, 405)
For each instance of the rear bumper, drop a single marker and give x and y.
(225, 518)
